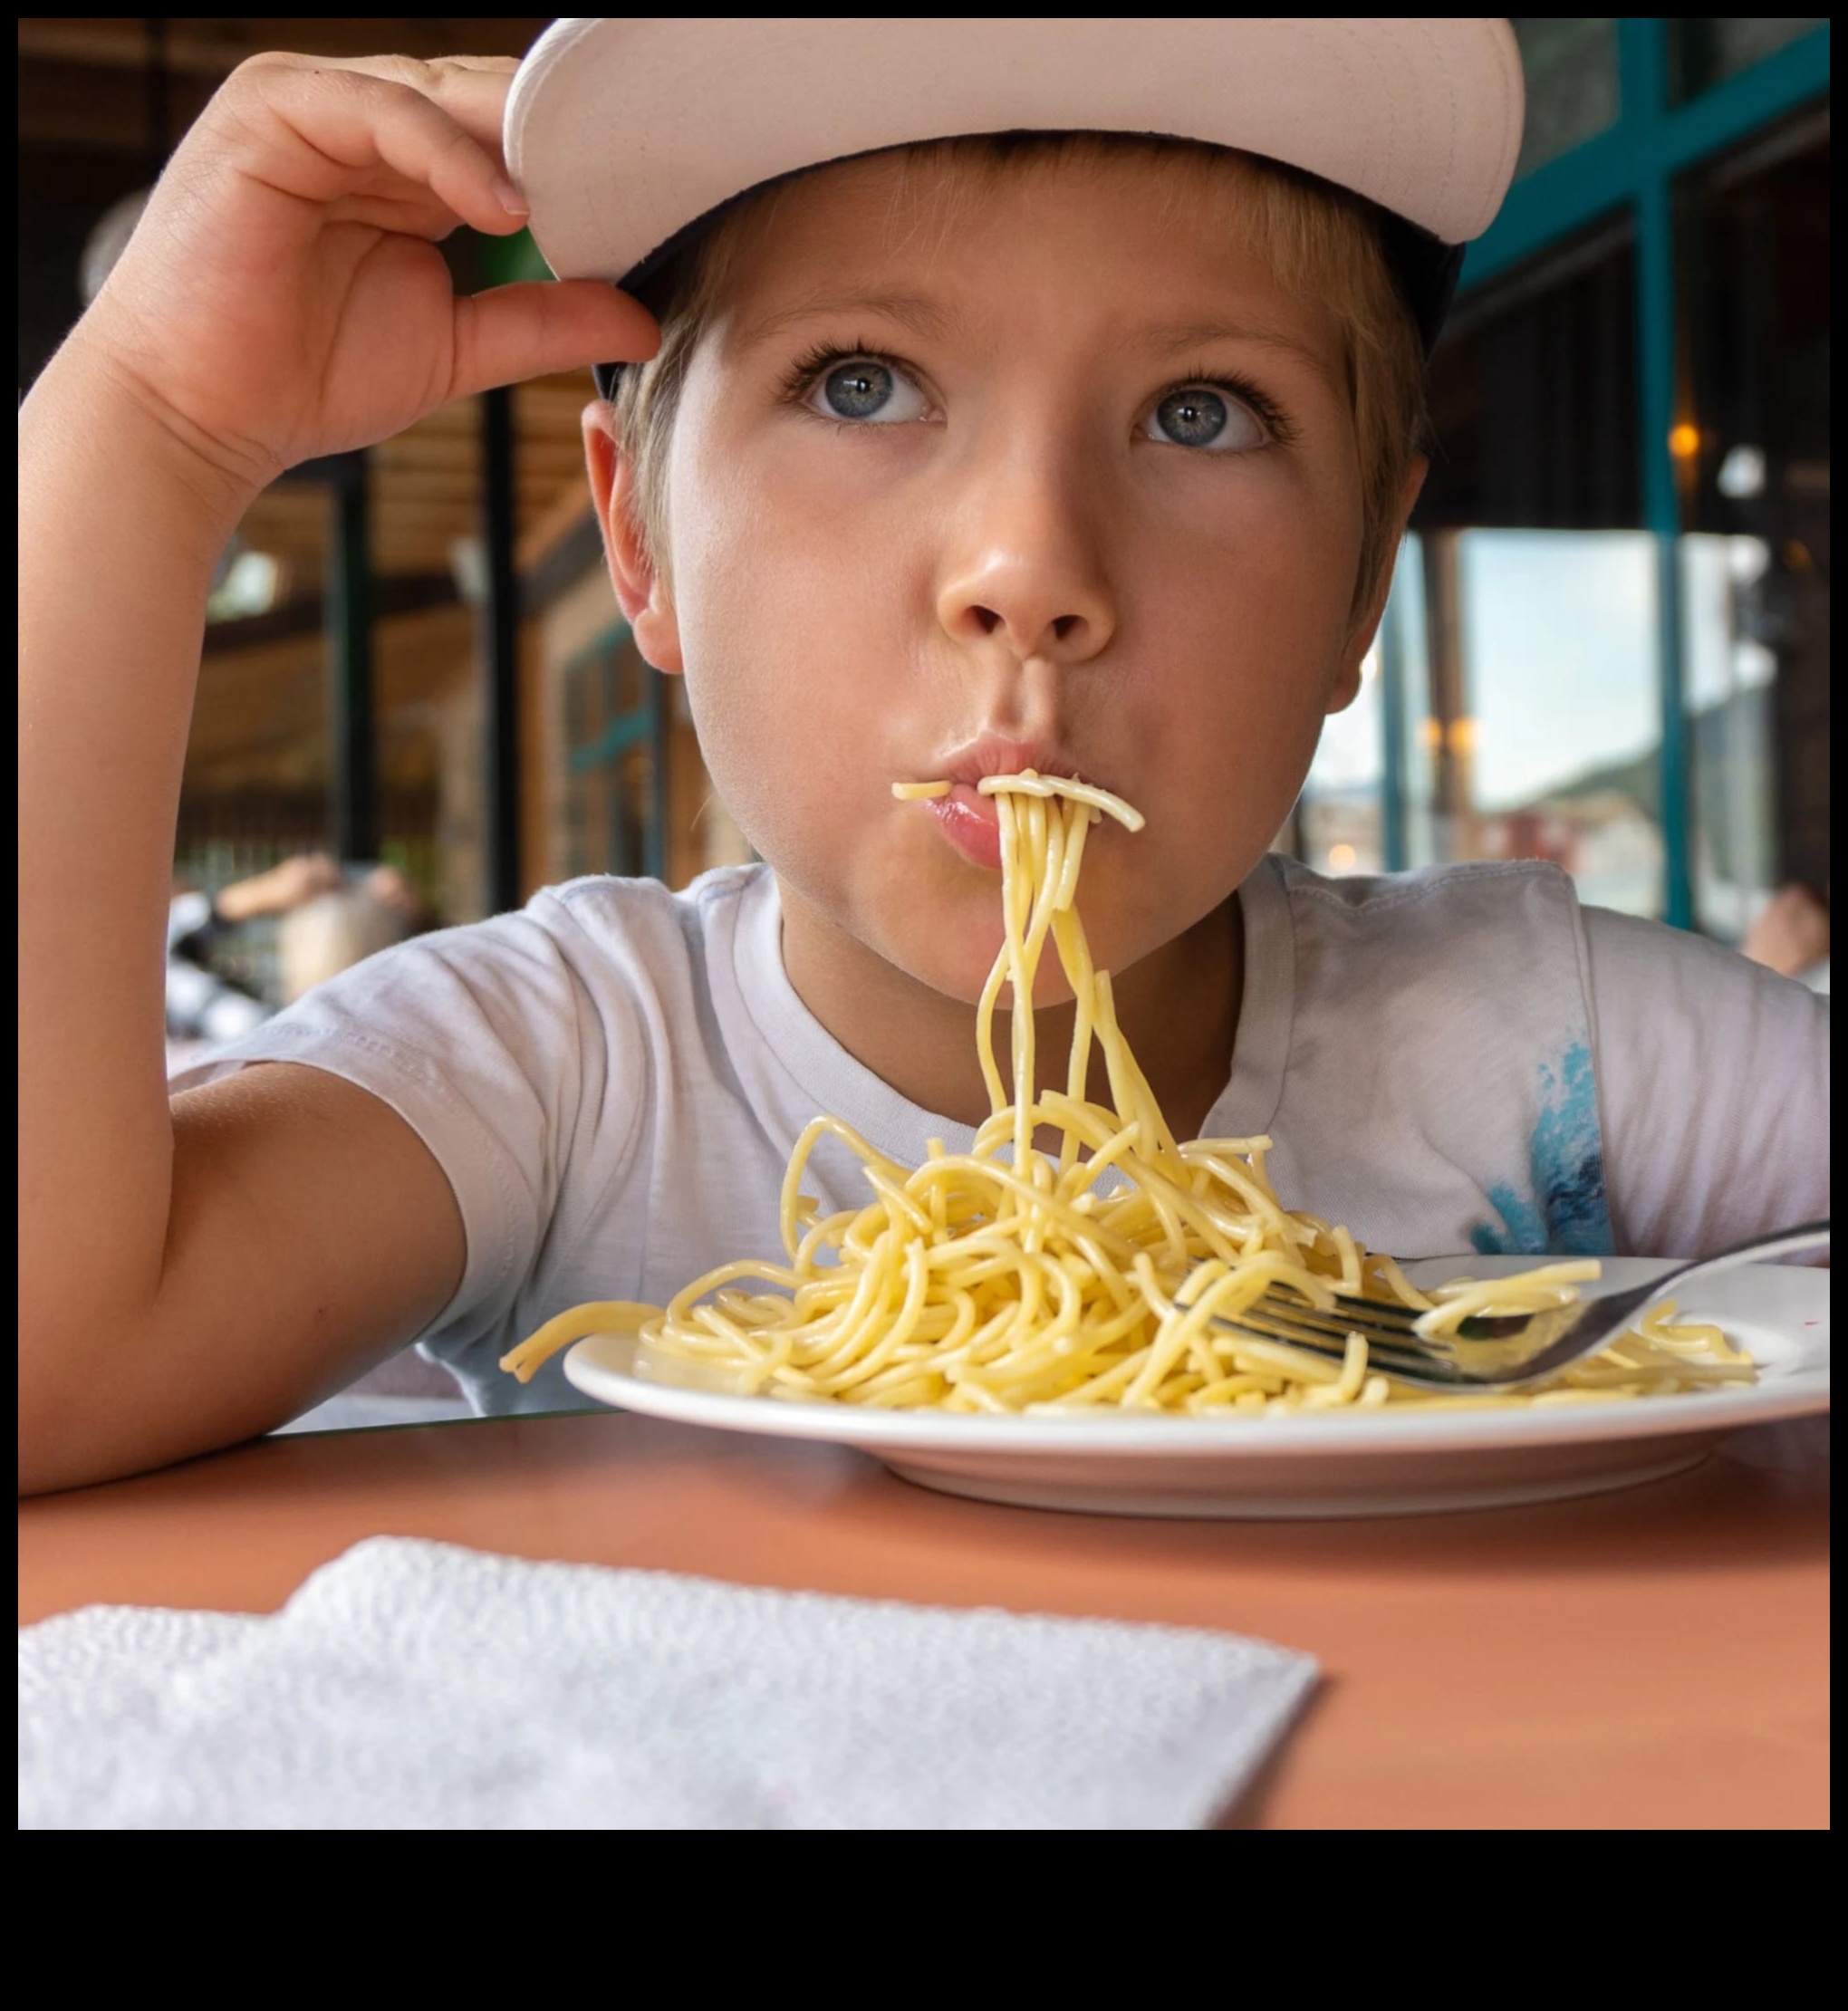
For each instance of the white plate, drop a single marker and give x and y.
(1359, 1463)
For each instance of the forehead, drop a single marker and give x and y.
(1130, 231)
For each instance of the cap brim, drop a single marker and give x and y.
(629, 136)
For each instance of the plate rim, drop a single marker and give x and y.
(1103, 1434)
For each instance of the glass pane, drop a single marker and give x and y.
(1754, 243)
(1539, 726)
(1572, 83)
(1707, 49)
(1727, 675)
(1404, 644)
(1339, 825)
(608, 800)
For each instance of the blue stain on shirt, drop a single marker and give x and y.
(1564, 1211)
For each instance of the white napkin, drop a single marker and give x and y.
(418, 1685)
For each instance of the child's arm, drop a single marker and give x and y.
(192, 1274)
(288, 885)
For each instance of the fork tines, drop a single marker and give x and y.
(1386, 1329)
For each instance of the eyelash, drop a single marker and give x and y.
(809, 369)
(1270, 415)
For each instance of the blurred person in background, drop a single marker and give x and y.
(342, 926)
(328, 923)
(1791, 936)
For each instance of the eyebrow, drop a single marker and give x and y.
(928, 317)
(1173, 338)
(913, 311)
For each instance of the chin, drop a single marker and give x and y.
(954, 954)
(942, 945)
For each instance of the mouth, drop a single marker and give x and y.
(970, 823)
(969, 820)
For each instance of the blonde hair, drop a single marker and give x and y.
(1315, 239)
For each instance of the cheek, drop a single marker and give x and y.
(792, 617)
(1243, 616)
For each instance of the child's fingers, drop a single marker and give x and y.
(472, 90)
(349, 124)
(537, 327)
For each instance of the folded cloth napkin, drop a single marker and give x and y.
(415, 1684)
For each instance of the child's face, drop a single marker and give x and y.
(1006, 541)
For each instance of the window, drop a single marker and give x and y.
(1705, 50)
(1340, 818)
(616, 756)
(1533, 396)
(1522, 642)
(1535, 706)
(1607, 641)
(1752, 243)
(1571, 66)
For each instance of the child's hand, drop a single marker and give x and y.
(1792, 932)
(284, 297)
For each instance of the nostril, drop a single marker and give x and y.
(988, 618)
(1063, 624)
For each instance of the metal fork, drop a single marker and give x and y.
(1487, 1353)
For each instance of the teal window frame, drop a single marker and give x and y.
(1632, 167)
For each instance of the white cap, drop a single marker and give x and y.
(623, 133)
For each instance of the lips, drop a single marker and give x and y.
(995, 754)
(971, 822)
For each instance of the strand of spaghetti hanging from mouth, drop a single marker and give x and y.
(1011, 1279)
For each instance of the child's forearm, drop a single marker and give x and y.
(121, 523)
(282, 299)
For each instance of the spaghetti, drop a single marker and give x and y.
(1014, 1277)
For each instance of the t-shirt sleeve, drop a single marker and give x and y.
(492, 1046)
(1713, 1076)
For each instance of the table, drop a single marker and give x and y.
(1656, 1658)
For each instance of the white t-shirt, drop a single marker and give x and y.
(1458, 1059)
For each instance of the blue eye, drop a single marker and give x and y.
(857, 390)
(867, 391)
(1200, 417)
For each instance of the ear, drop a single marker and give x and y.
(1347, 684)
(642, 595)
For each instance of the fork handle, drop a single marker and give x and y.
(1806, 1235)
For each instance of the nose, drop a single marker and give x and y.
(1026, 570)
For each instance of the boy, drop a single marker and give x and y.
(960, 454)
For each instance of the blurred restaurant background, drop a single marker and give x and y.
(1607, 643)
